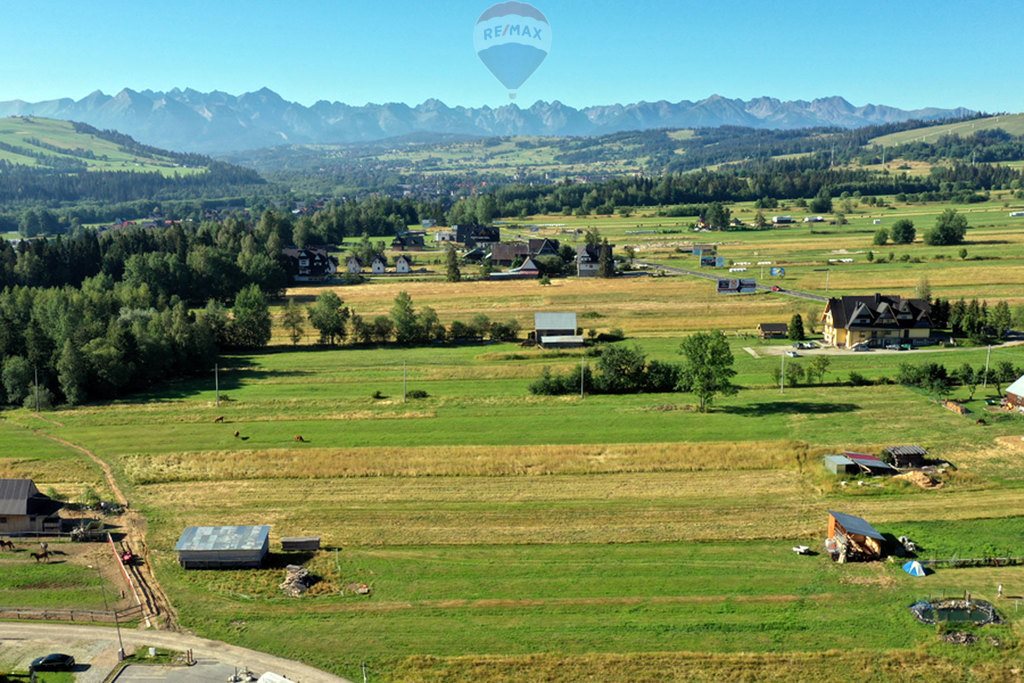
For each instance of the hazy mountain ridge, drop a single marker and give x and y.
(193, 121)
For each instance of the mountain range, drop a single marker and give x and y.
(217, 122)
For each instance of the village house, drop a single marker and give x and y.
(309, 265)
(477, 235)
(409, 241)
(505, 254)
(772, 330)
(543, 247)
(588, 260)
(354, 266)
(403, 264)
(23, 509)
(379, 265)
(877, 320)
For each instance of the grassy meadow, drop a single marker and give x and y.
(109, 156)
(509, 536)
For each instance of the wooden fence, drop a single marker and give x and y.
(964, 562)
(83, 615)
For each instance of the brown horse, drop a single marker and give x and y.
(298, 437)
(220, 419)
(43, 556)
(6, 545)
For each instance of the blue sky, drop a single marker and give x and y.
(906, 53)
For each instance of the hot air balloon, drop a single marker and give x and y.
(512, 39)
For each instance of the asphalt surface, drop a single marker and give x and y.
(95, 648)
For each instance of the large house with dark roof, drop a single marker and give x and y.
(875, 320)
(311, 264)
(23, 509)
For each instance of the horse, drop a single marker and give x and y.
(298, 437)
(6, 545)
(43, 556)
(219, 419)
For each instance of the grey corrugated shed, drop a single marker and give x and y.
(856, 525)
(839, 463)
(223, 538)
(554, 321)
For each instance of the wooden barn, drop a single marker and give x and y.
(906, 456)
(772, 330)
(852, 538)
(223, 547)
(24, 510)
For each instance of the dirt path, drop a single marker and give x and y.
(156, 601)
(202, 648)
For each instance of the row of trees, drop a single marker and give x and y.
(706, 371)
(937, 379)
(334, 323)
(974, 320)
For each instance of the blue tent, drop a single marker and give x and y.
(914, 568)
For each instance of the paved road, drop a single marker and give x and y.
(715, 276)
(101, 641)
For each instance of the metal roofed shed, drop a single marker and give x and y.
(840, 464)
(871, 464)
(906, 456)
(223, 547)
(852, 538)
(555, 324)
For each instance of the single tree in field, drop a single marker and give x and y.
(451, 264)
(759, 220)
(795, 328)
(403, 315)
(630, 251)
(329, 317)
(707, 368)
(950, 228)
(903, 231)
(1001, 319)
(969, 379)
(717, 216)
(881, 237)
(250, 324)
(817, 368)
(923, 289)
(794, 374)
(292, 319)
(822, 203)
(605, 264)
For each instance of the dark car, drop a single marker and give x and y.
(54, 662)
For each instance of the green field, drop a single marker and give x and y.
(1011, 123)
(512, 537)
(21, 132)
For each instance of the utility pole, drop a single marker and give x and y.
(120, 643)
(216, 381)
(782, 375)
(827, 272)
(405, 380)
(37, 388)
(988, 357)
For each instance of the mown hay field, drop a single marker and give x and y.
(511, 536)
